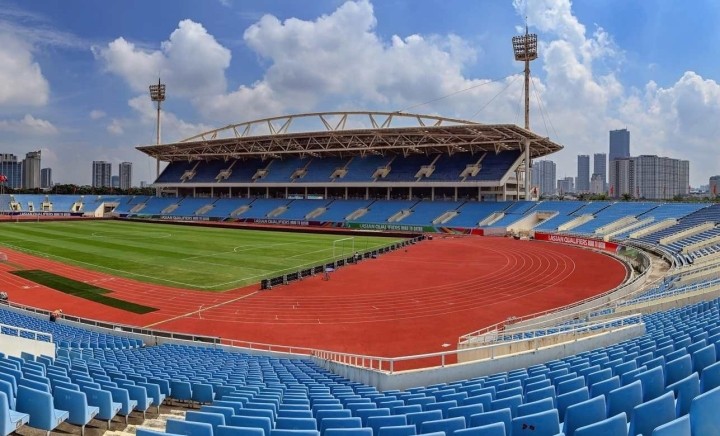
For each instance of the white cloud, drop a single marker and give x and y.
(191, 62)
(115, 127)
(339, 61)
(28, 125)
(96, 114)
(21, 80)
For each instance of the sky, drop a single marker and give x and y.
(74, 74)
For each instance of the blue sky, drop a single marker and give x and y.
(74, 74)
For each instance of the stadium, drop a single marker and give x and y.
(357, 273)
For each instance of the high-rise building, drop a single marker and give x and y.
(101, 173)
(714, 186)
(46, 178)
(31, 170)
(565, 186)
(125, 172)
(543, 177)
(12, 170)
(600, 169)
(619, 183)
(619, 144)
(115, 181)
(597, 184)
(582, 183)
(650, 177)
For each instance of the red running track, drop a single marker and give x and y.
(407, 302)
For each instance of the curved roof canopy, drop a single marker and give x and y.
(351, 133)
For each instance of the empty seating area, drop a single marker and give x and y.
(513, 213)
(425, 212)
(158, 205)
(667, 378)
(472, 213)
(663, 212)
(610, 214)
(299, 209)
(489, 166)
(381, 210)
(704, 215)
(189, 206)
(66, 335)
(565, 212)
(339, 210)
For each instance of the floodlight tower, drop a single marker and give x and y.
(525, 48)
(157, 94)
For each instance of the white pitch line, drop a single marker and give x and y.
(201, 310)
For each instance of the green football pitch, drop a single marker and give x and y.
(191, 257)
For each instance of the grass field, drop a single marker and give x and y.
(191, 257)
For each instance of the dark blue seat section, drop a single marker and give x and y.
(65, 335)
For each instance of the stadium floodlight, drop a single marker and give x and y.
(157, 95)
(526, 49)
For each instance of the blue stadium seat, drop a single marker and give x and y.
(496, 429)
(227, 430)
(676, 427)
(485, 418)
(685, 391)
(653, 383)
(465, 412)
(605, 386)
(646, 416)
(703, 358)
(349, 432)
(261, 422)
(535, 407)
(329, 423)
(227, 412)
(704, 416)
(615, 425)
(397, 430)
(214, 419)
(75, 402)
(296, 423)
(447, 425)
(583, 414)
(624, 399)
(377, 422)
(710, 378)
(188, 428)
(538, 424)
(678, 369)
(418, 418)
(39, 405)
(10, 420)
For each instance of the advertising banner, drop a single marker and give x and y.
(579, 241)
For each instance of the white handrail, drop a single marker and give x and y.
(35, 334)
(388, 364)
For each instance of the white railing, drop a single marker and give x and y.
(574, 327)
(20, 332)
(670, 293)
(444, 358)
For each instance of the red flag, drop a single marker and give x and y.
(612, 189)
(3, 178)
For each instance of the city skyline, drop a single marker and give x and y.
(78, 89)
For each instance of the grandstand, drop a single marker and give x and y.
(344, 155)
(641, 358)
